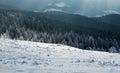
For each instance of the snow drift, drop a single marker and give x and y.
(32, 57)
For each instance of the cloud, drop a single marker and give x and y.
(49, 4)
(111, 12)
(107, 12)
(61, 4)
(53, 9)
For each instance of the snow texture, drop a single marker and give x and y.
(32, 57)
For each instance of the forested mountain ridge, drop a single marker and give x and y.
(106, 23)
(113, 19)
(69, 29)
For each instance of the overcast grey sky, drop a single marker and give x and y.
(71, 6)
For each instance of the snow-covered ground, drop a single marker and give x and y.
(32, 57)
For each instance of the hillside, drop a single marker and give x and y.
(32, 57)
(61, 28)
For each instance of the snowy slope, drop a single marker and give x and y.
(31, 57)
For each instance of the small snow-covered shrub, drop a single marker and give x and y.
(92, 60)
(77, 61)
(24, 62)
(35, 63)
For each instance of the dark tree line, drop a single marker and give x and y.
(37, 27)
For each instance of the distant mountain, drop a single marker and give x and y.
(101, 23)
(111, 19)
(105, 23)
